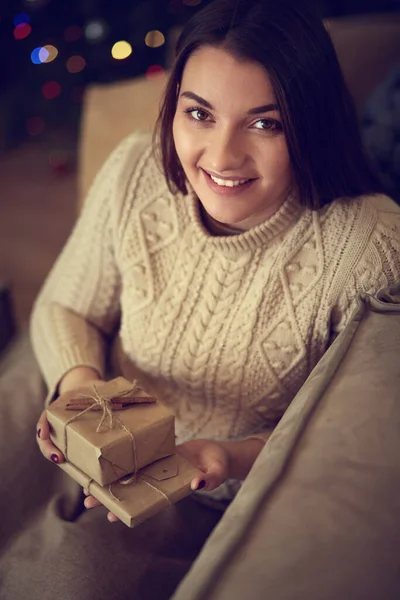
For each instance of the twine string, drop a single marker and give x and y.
(105, 402)
(134, 480)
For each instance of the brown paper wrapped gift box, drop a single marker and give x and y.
(153, 489)
(138, 436)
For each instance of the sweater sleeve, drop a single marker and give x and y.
(378, 267)
(78, 306)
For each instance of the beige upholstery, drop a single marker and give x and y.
(318, 516)
(110, 113)
(367, 48)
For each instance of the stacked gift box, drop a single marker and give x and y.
(119, 443)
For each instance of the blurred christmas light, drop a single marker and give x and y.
(48, 53)
(35, 125)
(73, 33)
(95, 31)
(35, 56)
(154, 39)
(22, 31)
(76, 64)
(51, 90)
(121, 50)
(21, 19)
(154, 71)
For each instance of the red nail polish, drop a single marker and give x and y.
(38, 433)
(55, 458)
(201, 485)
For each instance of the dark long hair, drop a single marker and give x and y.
(317, 112)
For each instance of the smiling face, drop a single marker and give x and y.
(229, 139)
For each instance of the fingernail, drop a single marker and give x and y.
(201, 485)
(38, 433)
(55, 458)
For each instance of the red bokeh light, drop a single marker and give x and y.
(22, 31)
(51, 90)
(154, 71)
(76, 64)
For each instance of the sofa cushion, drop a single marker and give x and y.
(318, 517)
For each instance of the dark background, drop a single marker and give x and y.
(25, 112)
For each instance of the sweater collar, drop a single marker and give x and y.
(259, 236)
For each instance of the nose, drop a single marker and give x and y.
(226, 152)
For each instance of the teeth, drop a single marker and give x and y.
(227, 182)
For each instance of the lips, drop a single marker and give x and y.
(226, 186)
(228, 182)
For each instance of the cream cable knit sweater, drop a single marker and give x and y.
(223, 329)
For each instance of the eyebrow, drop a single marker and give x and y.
(253, 111)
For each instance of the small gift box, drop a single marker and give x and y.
(111, 429)
(152, 489)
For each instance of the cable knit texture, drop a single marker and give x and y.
(224, 329)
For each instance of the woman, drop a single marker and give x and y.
(227, 273)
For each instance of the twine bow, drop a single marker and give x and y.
(106, 405)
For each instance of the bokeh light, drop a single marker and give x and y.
(154, 39)
(154, 71)
(35, 56)
(35, 125)
(76, 64)
(22, 31)
(51, 90)
(95, 31)
(21, 19)
(73, 33)
(48, 53)
(121, 50)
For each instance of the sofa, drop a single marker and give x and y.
(318, 516)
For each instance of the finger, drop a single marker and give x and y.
(91, 502)
(112, 518)
(50, 451)
(43, 427)
(198, 483)
(215, 474)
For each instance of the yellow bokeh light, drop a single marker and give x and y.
(154, 39)
(121, 50)
(53, 53)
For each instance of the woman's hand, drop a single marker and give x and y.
(218, 461)
(209, 457)
(212, 458)
(73, 379)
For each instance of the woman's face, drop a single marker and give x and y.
(229, 139)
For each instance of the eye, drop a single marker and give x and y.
(197, 114)
(268, 125)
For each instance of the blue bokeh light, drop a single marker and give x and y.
(35, 56)
(21, 19)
